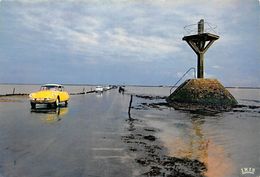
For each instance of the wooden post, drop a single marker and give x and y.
(13, 91)
(130, 106)
(200, 65)
(201, 26)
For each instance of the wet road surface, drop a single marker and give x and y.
(93, 136)
(83, 139)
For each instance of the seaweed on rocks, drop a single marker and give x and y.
(152, 156)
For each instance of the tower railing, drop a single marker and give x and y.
(194, 72)
(193, 28)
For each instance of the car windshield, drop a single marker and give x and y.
(51, 87)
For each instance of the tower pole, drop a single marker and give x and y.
(200, 55)
(200, 65)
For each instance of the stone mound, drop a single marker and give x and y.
(196, 94)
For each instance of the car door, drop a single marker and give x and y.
(63, 94)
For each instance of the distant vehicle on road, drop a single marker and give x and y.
(107, 88)
(99, 89)
(50, 94)
(113, 86)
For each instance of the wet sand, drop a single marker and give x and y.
(152, 156)
(94, 136)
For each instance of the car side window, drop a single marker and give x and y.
(43, 88)
(60, 88)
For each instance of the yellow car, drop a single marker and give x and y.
(50, 94)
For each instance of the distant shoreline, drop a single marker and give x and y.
(128, 85)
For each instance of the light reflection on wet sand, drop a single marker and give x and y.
(189, 141)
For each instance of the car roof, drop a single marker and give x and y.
(53, 85)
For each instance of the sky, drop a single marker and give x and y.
(136, 42)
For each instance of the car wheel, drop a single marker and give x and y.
(49, 105)
(33, 105)
(66, 103)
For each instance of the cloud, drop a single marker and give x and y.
(56, 25)
(128, 32)
(216, 67)
(147, 45)
(63, 22)
(90, 33)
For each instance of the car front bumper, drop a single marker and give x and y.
(42, 100)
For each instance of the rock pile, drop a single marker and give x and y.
(202, 94)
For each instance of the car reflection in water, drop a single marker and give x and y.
(51, 115)
(99, 94)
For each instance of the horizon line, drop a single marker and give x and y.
(133, 85)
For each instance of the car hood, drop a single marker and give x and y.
(44, 94)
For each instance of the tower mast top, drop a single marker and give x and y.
(200, 43)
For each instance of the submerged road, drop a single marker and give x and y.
(83, 139)
(91, 138)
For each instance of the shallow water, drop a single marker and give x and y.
(225, 142)
(84, 139)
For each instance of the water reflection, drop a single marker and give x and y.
(99, 94)
(192, 143)
(51, 115)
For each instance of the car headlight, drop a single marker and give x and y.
(31, 96)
